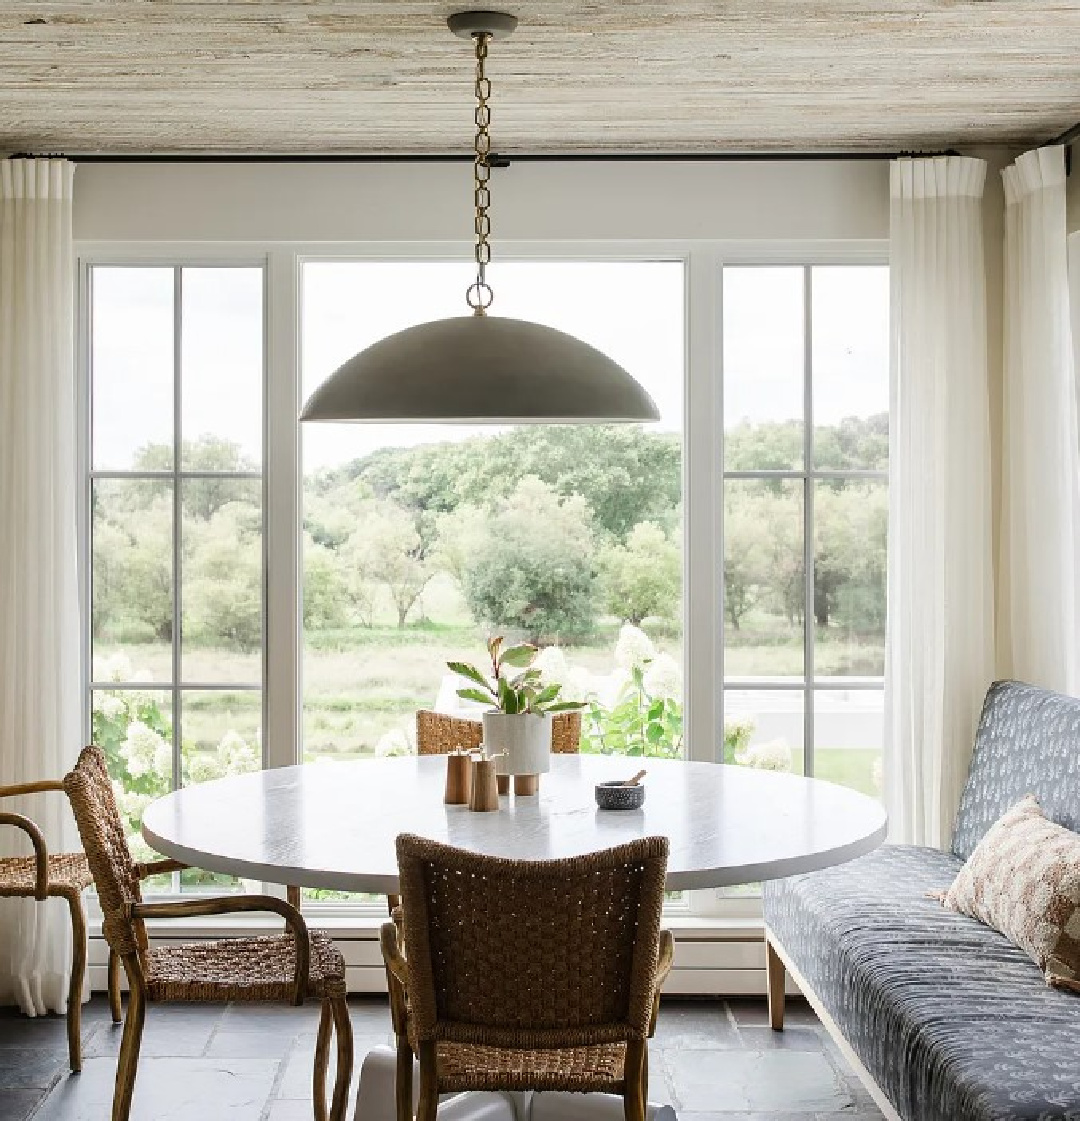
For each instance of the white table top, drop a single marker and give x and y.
(332, 825)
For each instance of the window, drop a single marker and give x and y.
(421, 540)
(805, 403)
(175, 529)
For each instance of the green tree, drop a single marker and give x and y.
(327, 593)
(388, 549)
(533, 569)
(223, 578)
(642, 577)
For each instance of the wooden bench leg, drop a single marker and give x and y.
(777, 975)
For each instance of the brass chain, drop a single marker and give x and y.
(479, 294)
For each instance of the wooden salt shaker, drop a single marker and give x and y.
(458, 778)
(485, 789)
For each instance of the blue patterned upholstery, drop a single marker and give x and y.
(953, 1022)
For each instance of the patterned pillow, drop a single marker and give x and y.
(1023, 879)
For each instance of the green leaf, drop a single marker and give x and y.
(565, 706)
(519, 656)
(471, 672)
(548, 693)
(474, 695)
(654, 733)
(508, 699)
(656, 710)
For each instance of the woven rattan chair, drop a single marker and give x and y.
(526, 975)
(64, 875)
(437, 733)
(287, 967)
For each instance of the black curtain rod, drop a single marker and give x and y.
(496, 159)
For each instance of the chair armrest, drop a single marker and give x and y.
(41, 852)
(159, 868)
(40, 787)
(391, 952)
(397, 978)
(191, 908)
(664, 961)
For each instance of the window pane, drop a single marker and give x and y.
(849, 735)
(764, 358)
(132, 367)
(132, 579)
(850, 532)
(851, 367)
(764, 728)
(222, 368)
(222, 580)
(420, 540)
(222, 734)
(764, 587)
(135, 730)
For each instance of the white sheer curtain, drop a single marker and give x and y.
(1039, 558)
(39, 610)
(940, 643)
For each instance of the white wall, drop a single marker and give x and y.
(826, 200)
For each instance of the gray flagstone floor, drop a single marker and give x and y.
(712, 1060)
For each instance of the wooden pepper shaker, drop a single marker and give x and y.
(485, 789)
(458, 778)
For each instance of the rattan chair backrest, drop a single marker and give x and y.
(437, 733)
(531, 953)
(90, 792)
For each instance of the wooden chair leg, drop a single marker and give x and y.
(116, 1007)
(635, 1074)
(776, 974)
(343, 1078)
(75, 987)
(127, 1065)
(403, 1081)
(322, 1061)
(428, 1107)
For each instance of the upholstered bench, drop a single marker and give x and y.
(947, 1019)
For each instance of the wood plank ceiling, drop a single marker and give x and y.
(383, 76)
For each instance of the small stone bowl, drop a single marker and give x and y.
(617, 796)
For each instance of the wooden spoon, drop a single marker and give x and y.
(635, 780)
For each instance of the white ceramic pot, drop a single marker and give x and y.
(525, 739)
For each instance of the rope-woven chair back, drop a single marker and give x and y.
(102, 831)
(437, 733)
(531, 953)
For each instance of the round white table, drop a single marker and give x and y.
(332, 825)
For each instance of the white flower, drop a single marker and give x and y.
(773, 755)
(576, 684)
(117, 667)
(394, 742)
(551, 662)
(634, 648)
(108, 705)
(140, 748)
(663, 678)
(163, 759)
(237, 756)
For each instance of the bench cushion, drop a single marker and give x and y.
(1028, 742)
(952, 1021)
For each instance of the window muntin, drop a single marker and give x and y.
(176, 557)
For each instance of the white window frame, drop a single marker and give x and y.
(703, 476)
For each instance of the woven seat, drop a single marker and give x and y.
(471, 1066)
(45, 875)
(285, 968)
(526, 975)
(68, 873)
(247, 969)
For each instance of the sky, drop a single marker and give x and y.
(633, 311)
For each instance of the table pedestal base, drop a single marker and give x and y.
(375, 1100)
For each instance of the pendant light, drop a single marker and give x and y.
(480, 368)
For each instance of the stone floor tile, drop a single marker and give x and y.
(695, 1024)
(790, 1039)
(165, 1035)
(18, 1105)
(754, 1012)
(30, 1068)
(167, 1090)
(762, 1081)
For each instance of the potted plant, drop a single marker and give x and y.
(518, 726)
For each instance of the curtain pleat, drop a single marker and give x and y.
(940, 642)
(1039, 557)
(39, 607)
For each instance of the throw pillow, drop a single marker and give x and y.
(1023, 879)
